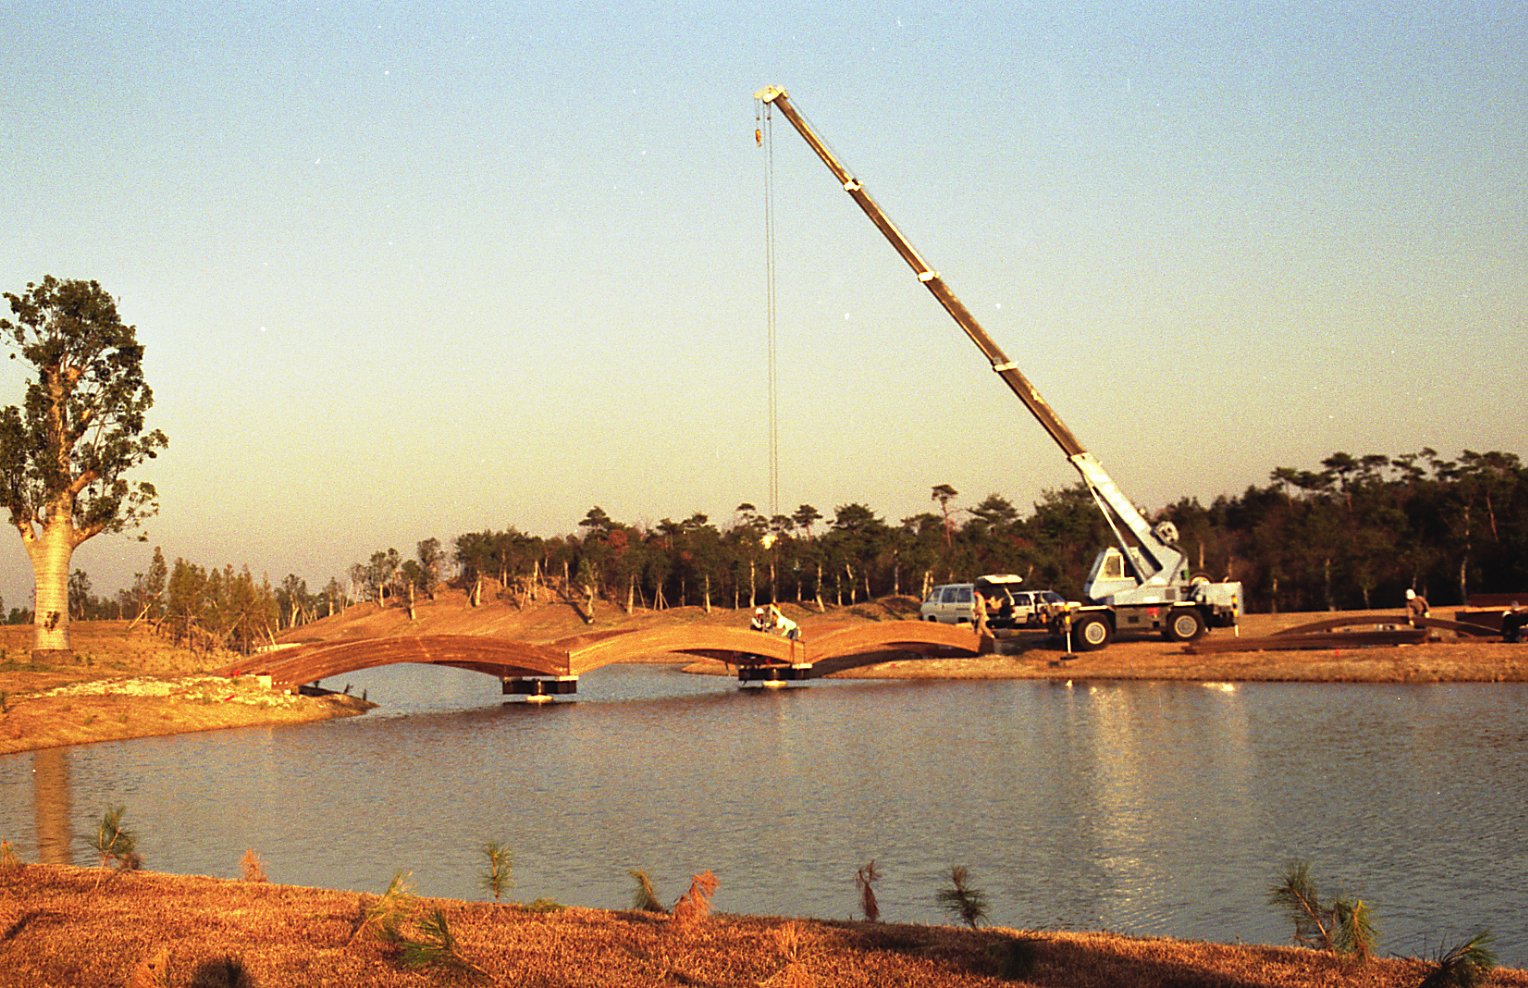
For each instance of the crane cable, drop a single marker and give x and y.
(763, 136)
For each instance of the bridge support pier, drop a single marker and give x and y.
(540, 689)
(773, 675)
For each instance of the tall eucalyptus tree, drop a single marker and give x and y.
(66, 449)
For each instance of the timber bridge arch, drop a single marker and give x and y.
(554, 667)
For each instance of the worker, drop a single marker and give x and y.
(1513, 620)
(1416, 608)
(760, 621)
(979, 614)
(783, 625)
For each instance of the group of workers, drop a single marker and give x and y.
(771, 621)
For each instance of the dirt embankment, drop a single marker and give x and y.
(65, 926)
(129, 683)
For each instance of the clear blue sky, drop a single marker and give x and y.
(410, 270)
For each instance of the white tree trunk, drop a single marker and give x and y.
(51, 553)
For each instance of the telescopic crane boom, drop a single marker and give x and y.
(1156, 570)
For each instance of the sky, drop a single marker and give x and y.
(411, 270)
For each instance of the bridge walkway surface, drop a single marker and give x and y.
(833, 648)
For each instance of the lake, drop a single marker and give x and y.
(1143, 808)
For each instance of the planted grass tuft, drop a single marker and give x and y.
(432, 946)
(251, 869)
(1463, 965)
(500, 875)
(695, 905)
(864, 880)
(791, 940)
(644, 898)
(388, 910)
(1344, 926)
(116, 845)
(8, 858)
(961, 899)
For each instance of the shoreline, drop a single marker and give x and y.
(127, 684)
(101, 710)
(86, 927)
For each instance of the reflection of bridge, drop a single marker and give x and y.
(554, 667)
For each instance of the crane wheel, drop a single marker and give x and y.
(1184, 625)
(1092, 632)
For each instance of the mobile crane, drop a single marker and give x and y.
(1141, 584)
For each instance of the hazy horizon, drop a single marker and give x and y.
(409, 272)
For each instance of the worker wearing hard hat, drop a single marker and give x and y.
(1416, 608)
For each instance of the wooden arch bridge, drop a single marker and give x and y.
(554, 667)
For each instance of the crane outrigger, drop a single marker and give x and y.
(1140, 584)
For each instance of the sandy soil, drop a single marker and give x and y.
(64, 926)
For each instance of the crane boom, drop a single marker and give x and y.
(1158, 563)
(1006, 369)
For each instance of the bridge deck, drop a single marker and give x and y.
(845, 647)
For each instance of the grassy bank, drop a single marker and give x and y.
(129, 683)
(61, 925)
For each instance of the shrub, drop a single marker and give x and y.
(865, 880)
(115, 843)
(1344, 926)
(1463, 965)
(544, 905)
(434, 947)
(962, 900)
(644, 897)
(695, 905)
(251, 868)
(388, 910)
(500, 874)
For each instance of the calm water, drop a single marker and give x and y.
(1137, 807)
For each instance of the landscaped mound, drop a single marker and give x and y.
(84, 927)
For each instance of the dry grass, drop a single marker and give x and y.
(53, 931)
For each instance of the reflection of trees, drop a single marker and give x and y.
(50, 801)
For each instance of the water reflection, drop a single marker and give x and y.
(1140, 807)
(51, 805)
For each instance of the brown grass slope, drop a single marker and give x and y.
(57, 928)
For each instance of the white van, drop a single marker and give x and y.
(948, 603)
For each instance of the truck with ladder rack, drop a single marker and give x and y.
(1140, 584)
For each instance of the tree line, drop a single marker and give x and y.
(1356, 533)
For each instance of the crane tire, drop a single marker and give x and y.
(1091, 632)
(1184, 625)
